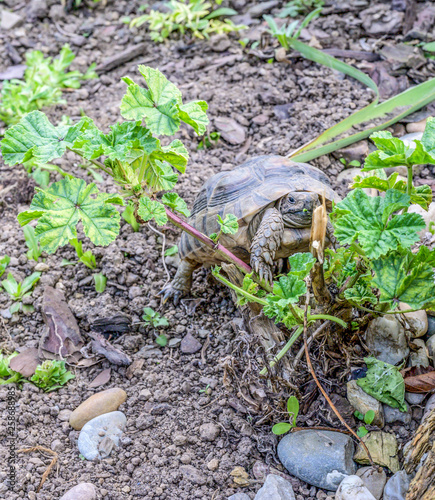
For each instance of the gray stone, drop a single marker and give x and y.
(230, 130)
(363, 402)
(321, 458)
(10, 20)
(416, 321)
(395, 415)
(37, 9)
(57, 445)
(82, 491)
(430, 406)
(357, 151)
(209, 432)
(108, 426)
(64, 415)
(193, 475)
(275, 488)
(430, 346)
(261, 8)
(414, 398)
(374, 480)
(348, 175)
(189, 344)
(57, 12)
(239, 496)
(135, 291)
(353, 488)
(430, 325)
(397, 486)
(419, 357)
(386, 338)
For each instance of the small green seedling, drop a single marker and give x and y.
(229, 225)
(51, 375)
(128, 216)
(153, 318)
(207, 390)
(100, 282)
(6, 372)
(34, 251)
(87, 258)
(171, 251)
(353, 163)
(293, 410)
(4, 261)
(296, 7)
(18, 291)
(161, 340)
(209, 141)
(367, 419)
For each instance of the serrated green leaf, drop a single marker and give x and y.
(194, 114)
(288, 289)
(63, 205)
(159, 176)
(360, 294)
(402, 276)
(379, 159)
(370, 221)
(175, 154)
(151, 209)
(301, 264)
(229, 225)
(418, 155)
(385, 383)
(37, 139)
(387, 143)
(172, 200)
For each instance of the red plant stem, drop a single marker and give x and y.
(216, 247)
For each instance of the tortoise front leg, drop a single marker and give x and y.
(266, 242)
(182, 282)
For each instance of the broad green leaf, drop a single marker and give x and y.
(159, 176)
(281, 428)
(63, 205)
(194, 114)
(387, 143)
(379, 159)
(37, 139)
(229, 225)
(385, 383)
(418, 155)
(175, 154)
(369, 417)
(30, 281)
(4, 261)
(402, 276)
(172, 200)
(100, 282)
(301, 264)
(369, 220)
(10, 284)
(288, 289)
(360, 294)
(151, 209)
(428, 139)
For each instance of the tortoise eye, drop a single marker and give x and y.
(291, 199)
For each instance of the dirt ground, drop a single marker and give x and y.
(280, 107)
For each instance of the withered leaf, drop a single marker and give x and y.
(26, 362)
(419, 379)
(101, 379)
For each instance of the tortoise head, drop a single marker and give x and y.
(297, 208)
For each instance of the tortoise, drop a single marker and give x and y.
(273, 199)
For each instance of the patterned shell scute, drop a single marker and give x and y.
(244, 192)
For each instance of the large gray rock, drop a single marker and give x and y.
(321, 458)
(374, 479)
(395, 415)
(9, 20)
(239, 496)
(352, 488)
(397, 486)
(82, 491)
(101, 434)
(363, 402)
(275, 488)
(386, 339)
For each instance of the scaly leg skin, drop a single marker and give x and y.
(266, 242)
(181, 284)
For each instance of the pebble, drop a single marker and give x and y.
(428, 215)
(363, 402)
(145, 394)
(189, 344)
(386, 338)
(417, 321)
(374, 480)
(395, 415)
(9, 20)
(90, 437)
(419, 357)
(430, 406)
(430, 326)
(185, 458)
(230, 130)
(209, 432)
(416, 126)
(383, 449)
(102, 402)
(397, 486)
(180, 439)
(42, 267)
(414, 398)
(275, 488)
(193, 475)
(352, 488)
(260, 8)
(321, 458)
(239, 496)
(213, 464)
(57, 445)
(348, 175)
(82, 491)
(430, 346)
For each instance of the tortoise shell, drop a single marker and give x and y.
(244, 192)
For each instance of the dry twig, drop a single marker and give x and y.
(50, 466)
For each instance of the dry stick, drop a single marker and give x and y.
(313, 336)
(319, 428)
(168, 276)
(51, 465)
(313, 374)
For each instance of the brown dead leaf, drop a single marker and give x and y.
(101, 379)
(419, 379)
(26, 362)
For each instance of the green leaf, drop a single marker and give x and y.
(293, 409)
(301, 264)
(402, 276)
(369, 417)
(172, 200)
(65, 203)
(223, 11)
(51, 375)
(387, 143)
(37, 139)
(385, 383)
(194, 114)
(171, 251)
(10, 284)
(29, 282)
(4, 261)
(5, 371)
(229, 225)
(100, 282)
(159, 176)
(150, 209)
(362, 431)
(175, 154)
(370, 220)
(428, 138)
(288, 289)
(162, 340)
(281, 428)
(360, 294)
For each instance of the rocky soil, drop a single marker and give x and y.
(192, 418)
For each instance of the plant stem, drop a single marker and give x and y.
(327, 317)
(143, 165)
(251, 298)
(284, 350)
(94, 162)
(409, 167)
